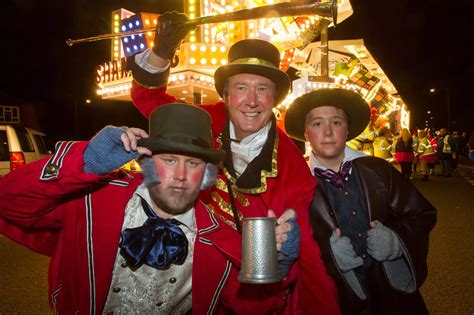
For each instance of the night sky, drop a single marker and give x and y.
(419, 45)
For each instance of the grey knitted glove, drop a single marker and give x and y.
(290, 249)
(344, 253)
(105, 152)
(382, 243)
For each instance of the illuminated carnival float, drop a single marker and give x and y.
(348, 64)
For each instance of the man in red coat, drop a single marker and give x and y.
(263, 172)
(120, 242)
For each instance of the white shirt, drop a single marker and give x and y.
(349, 155)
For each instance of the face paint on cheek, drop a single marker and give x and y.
(162, 171)
(195, 178)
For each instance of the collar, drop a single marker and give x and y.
(349, 155)
(254, 178)
(253, 138)
(248, 148)
(187, 219)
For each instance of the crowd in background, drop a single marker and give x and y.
(421, 150)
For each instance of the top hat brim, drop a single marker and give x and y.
(167, 146)
(350, 102)
(280, 78)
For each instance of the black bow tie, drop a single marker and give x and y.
(157, 243)
(337, 179)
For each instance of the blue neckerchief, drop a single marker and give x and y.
(157, 243)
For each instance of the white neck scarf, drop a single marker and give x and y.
(248, 148)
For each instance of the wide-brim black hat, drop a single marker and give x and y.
(350, 102)
(181, 128)
(257, 57)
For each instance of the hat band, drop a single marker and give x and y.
(254, 61)
(194, 141)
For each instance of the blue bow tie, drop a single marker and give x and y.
(337, 179)
(157, 243)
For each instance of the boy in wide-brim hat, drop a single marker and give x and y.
(372, 226)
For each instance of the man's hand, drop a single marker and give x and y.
(130, 138)
(343, 252)
(287, 233)
(170, 32)
(111, 148)
(382, 243)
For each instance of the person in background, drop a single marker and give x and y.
(456, 149)
(132, 243)
(372, 226)
(445, 151)
(404, 153)
(383, 144)
(425, 153)
(464, 139)
(470, 148)
(434, 144)
(415, 142)
(263, 172)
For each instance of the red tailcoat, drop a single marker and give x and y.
(288, 183)
(55, 209)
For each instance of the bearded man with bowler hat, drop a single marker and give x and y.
(372, 226)
(263, 172)
(128, 242)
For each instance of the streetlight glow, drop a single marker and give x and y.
(432, 90)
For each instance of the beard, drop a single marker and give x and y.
(173, 202)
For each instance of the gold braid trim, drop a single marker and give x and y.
(224, 205)
(221, 185)
(263, 174)
(220, 216)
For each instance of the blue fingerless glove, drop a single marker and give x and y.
(290, 249)
(105, 152)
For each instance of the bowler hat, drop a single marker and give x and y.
(254, 56)
(350, 102)
(181, 128)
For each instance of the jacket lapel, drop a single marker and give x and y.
(374, 186)
(210, 230)
(325, 211)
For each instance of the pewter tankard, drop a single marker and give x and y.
(259, 255)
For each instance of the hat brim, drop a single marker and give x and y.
(162, 146)
(350, 102)
(280, 78)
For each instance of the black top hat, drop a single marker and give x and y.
(258, 57)
(350, 102)
(181, 128)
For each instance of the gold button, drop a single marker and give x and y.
(346, 193)
(51, 168)
(116, 290)
(172, 280)
(354, 213)
(359, 235)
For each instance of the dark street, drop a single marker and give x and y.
(449, 288)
